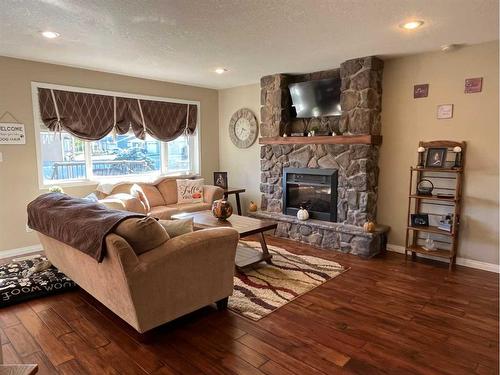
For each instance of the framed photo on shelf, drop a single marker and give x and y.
(419, 220)
(220, 179)
(436, 157)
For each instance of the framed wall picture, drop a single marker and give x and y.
(421, 91)
(473, 85)
(419, 220)
(436, 157)
(220, 179)
(444, 111)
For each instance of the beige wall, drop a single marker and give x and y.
(18, 171)
(242, 165)
(405, 121)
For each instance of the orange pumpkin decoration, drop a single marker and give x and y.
(369, 226)
(252, 207)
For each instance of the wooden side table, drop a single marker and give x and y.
(236, 192)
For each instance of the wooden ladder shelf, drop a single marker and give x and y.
(447, 179)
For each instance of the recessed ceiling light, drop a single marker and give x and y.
(220, 70)
(411, 25)
(50, 34)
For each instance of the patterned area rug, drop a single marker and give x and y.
(261, 290)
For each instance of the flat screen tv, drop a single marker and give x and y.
(316, 98)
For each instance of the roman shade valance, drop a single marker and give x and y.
(93, 116)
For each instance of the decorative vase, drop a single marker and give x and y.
(458, 157)
(302, 214)
(369, 226)
(222, 209)
(252, 207)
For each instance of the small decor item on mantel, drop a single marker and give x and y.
(458, 157)
(252, 207)
(436, 157)
(444, 111)
(222, 209)
(369, 226)
(425, 187)
(421, 151)
(473, 85)
(302, 214)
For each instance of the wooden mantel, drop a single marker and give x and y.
(363, 139)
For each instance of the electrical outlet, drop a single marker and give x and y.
(28, 229)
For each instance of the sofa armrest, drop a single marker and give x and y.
(202, 246)
(211, 193)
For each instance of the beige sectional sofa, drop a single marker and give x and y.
(161, 198)
(150, 288)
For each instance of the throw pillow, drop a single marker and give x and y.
(142, 234)
(175, 228)
(137, 192)
(190, 191)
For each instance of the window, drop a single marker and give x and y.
(67, 160)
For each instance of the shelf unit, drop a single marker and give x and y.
(446, 179)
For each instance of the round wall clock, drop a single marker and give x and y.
(243, 129)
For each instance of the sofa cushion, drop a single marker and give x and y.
(153, 194)
(142, 234)
(179, 227)
(163, 212)
(192, 207)
(168, 189)
(190, 191)
(124, 202)
(122, 188)
(137, 192)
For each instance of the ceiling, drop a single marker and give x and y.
(185, 40)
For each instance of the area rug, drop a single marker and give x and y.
(260, 290)
(15, 288)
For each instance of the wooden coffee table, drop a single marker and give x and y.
(246, 226)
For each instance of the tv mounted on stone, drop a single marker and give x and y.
(316, 98)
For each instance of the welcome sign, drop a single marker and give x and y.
(12, 133)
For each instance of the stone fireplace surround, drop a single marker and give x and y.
(357, 164)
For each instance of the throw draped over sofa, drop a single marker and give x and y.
(93, 116)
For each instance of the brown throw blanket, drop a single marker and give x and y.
(77, 222)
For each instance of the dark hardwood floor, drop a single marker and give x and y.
(382, 316)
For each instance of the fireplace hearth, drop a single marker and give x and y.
(313, 189)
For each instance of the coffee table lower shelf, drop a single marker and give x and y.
(246, 257)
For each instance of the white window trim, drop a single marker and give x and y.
(194, 141)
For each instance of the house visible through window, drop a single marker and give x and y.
(68, 160)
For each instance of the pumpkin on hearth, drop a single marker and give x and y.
(302, 214)
(252, 207)
(369, 226)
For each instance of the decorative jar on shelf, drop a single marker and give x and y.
(222, 209)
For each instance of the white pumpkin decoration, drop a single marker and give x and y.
(302, 214)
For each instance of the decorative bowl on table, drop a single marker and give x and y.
(222, 209)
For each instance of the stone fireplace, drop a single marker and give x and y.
(353, 158)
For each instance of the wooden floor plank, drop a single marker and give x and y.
(53, 348)
(71, 367)
(54, 322)
(45, 366)
(21, 340)
(10, 356)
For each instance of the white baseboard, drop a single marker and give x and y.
(20, 251)
(460, 261)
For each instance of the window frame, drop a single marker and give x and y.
(194, 140)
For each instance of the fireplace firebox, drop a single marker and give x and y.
(312, 189)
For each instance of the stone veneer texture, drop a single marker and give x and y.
(357, 165)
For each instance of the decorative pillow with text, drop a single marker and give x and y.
(190, 191)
